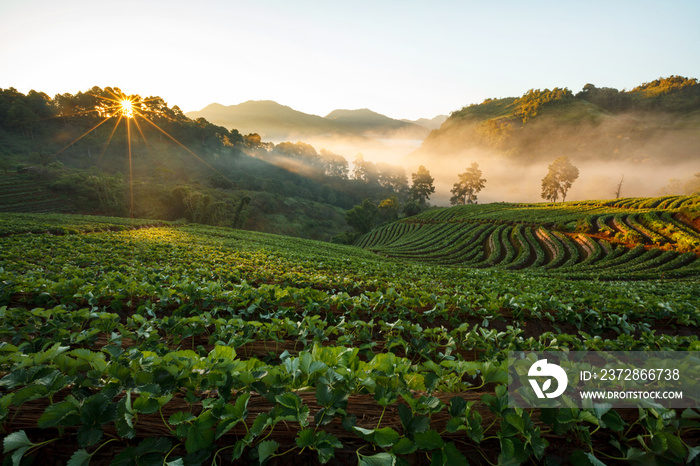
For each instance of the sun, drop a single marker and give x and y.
(126, 108)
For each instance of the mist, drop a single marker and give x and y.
(387, 150)
(512, 181)
(509, 179)
(658, 154)
(654, 153)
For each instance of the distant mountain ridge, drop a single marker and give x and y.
(432, 123)
(274, 121)
(368, 122)
(269, 119)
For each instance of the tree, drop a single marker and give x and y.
(619, 187)
(389, 209)
(470, 183)
(550, 188)
(362, 217)
(252, 140)
(364, 170)
(21, 117)
(299, 150)
(334, 165)
(393, 177)
(239, 217)
(411, 208)
(422, 186)
(562, 174)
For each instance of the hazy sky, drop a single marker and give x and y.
(405, 59)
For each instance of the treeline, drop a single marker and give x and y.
(658, 120)
(673, 94)
(79, 146)
(405, 200)
(36, 114)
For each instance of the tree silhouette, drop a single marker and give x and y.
(562, 174)
(470, 183)
(422, 186)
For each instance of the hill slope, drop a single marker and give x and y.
(373, 124)
(624, 238)
(131, 337)
(659, 120)
(75, 153)
(432, 123)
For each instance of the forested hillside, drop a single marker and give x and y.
(85, 153)
(658, 120)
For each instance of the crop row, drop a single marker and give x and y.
(60, 224)
(533, 248)
(567, 213)
(193, 343)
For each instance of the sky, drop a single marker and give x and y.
(404, 59)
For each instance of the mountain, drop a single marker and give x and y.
(373, 124)
(274, 121)
(433, 123)
(270, 120)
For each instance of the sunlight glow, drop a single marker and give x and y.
(127, 108)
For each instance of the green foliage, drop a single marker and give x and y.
(422, 186)
(180, 168)
(230, 340)
(362, 217)
(666, 85)
(388, 209)
(531, 236)
(529, 105)
(562, 174)
(412, 208)
(470, 183)
(107, 193)
(530, 126)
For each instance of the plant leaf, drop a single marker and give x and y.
(267, 449)
(380, 459)
(385, 437)
(198, 438)
(429, 440)
(79, 458)
(16, 440)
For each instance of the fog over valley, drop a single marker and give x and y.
(648, 138)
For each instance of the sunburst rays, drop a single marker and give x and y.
(114, 104)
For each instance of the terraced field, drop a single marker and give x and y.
(19, 193)
(623, 239)
(135, 342)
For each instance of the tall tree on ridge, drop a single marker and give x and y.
(422, 186)
(470, 183)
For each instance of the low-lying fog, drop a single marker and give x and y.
(508, 180)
